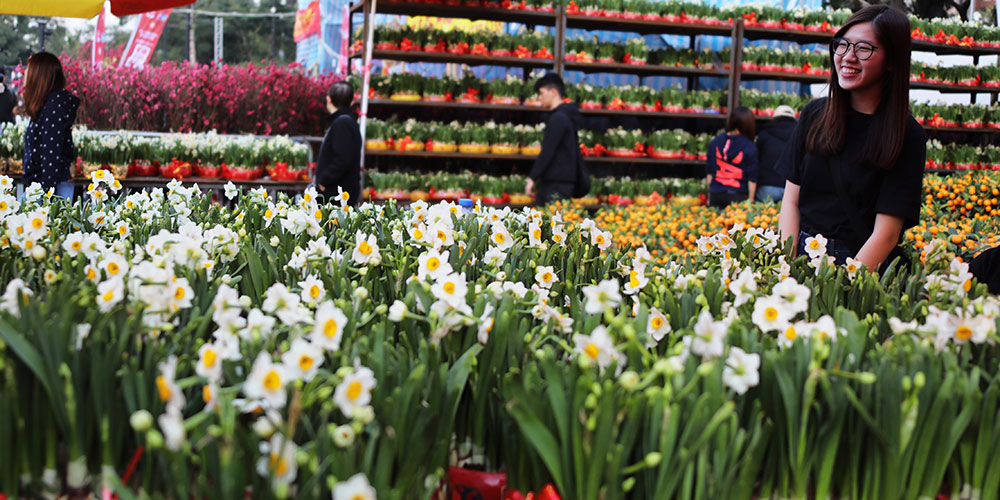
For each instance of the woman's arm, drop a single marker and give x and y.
(883, 239)
(789, 220)
(752, 187)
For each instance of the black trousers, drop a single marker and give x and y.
(547, 192)
(721, 200)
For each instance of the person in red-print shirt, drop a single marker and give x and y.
(732, 165)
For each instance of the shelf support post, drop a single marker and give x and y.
(735, 64)
(560, 52)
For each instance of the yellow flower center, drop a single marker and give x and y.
(354, 390)
(122, 230)
(209, 358)
(206, 394)
(633, 279)
(109, 296)
(37, 223)
(268, 213)
(814, 244)
(963, 333)
(345, 196)
(3, 205)
(851, 268)
(500, 238)
(29, 244)
(442, 236)
(319, 214)
(179, 293)
(330, 328)
(433, 263)
(449, 288)
(790, 333)
(278, 465)
(709, 245)
(98, 174)
(967, 285)
(365, 248)
(592, 351)
(77, 245)
(489, 325)
(91, 273)
(600, 240)
(770, 314)
(657, 322)
(113, 268)
(163, 388)
(272, 381)
(418, 234)
(314, 291)
(538, 234)
(557, 237)
(547, 277)
(307, 197)
(306, 362)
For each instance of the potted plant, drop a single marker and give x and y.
(411, 135)
(505, 139)
(471, 89)
(473, 139)
(607, 53)
(636, 51)
(438, 89)
(625, 143)
(456, 42)
(531, 138)
(406, 86)
(506, 91)
(443, 138)
(667, 144)
(378, 135)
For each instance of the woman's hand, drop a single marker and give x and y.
(883, 239)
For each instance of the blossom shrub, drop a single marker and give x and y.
(265, 99)
(157, 345)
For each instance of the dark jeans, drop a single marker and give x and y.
(547, 192)
(722, 200)
(834, 248)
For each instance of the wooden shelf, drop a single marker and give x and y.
(962, 130)
(643, 26)
(469, 59)
(642, 69)
(954, 89)
(457, 105)
(490, 156)
(653, 114)
(462, 12)
(788, 77)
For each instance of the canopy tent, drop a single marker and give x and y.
(84, 8)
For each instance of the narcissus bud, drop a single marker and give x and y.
(141, 421)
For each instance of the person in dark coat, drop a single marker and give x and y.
(48, 142)
(554, 174)
(732, 161)
(339, 163)
(8, 100)
(772, 139)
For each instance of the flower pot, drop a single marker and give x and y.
(405, 96)
(505, 100)
(438, 147)
(473, 148)
(531, 150)
(376, 145)
(504, 149)
(209, 171)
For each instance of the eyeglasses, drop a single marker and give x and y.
(862, 50)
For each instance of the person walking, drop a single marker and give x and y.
(772, 139)
(732, 161)
(339, 162)
(556, 172)
(48, 141)
(8, 100)
(855, 163)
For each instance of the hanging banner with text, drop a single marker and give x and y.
(97, 48)
(307, 22)
(147, 33)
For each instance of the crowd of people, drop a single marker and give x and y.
(849, 169)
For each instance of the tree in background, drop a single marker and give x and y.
(920, 8)
(19, 39)
(244, 39)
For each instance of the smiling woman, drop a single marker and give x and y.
(855, 163)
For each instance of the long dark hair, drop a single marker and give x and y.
(45, 74)
(829, 131)
(742, 119)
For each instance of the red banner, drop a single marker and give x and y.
(144, 39)
(97, 49)
(307, 22)
(345, 42)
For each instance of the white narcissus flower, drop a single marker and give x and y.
(355, 391)
(657, 326)
(706, 244)
(486, 322)
(302, 360)
(355, 488)
(792, 332)
(534, 234)
(313, 289)
(606, 295)
(816, 246)
(826, 329)
(494, 257)
(501, 237)
(600, 239)
(709, 336)
(599, 348)
(545, 276)
(328, 327)
(796, 296)
(16, 291)
(166, 388)
(852, 266)
(73, 244)
(743, 287)
(209, 362)
(172, 426)
(741, 371)
(397, 311)
(231, 190)
(277, 460)
(365, 249)
(451, 289)
(559, 235)
(771, 313)
(636, 281)
(266, 382)
(433, 264)
(110, 293)
(441, 235)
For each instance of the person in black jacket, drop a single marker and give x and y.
(772, 139)
(8, 100)
(554, 173)
(48, 142)
(339, 162)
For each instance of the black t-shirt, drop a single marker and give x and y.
(732, 163)
(839, 197)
